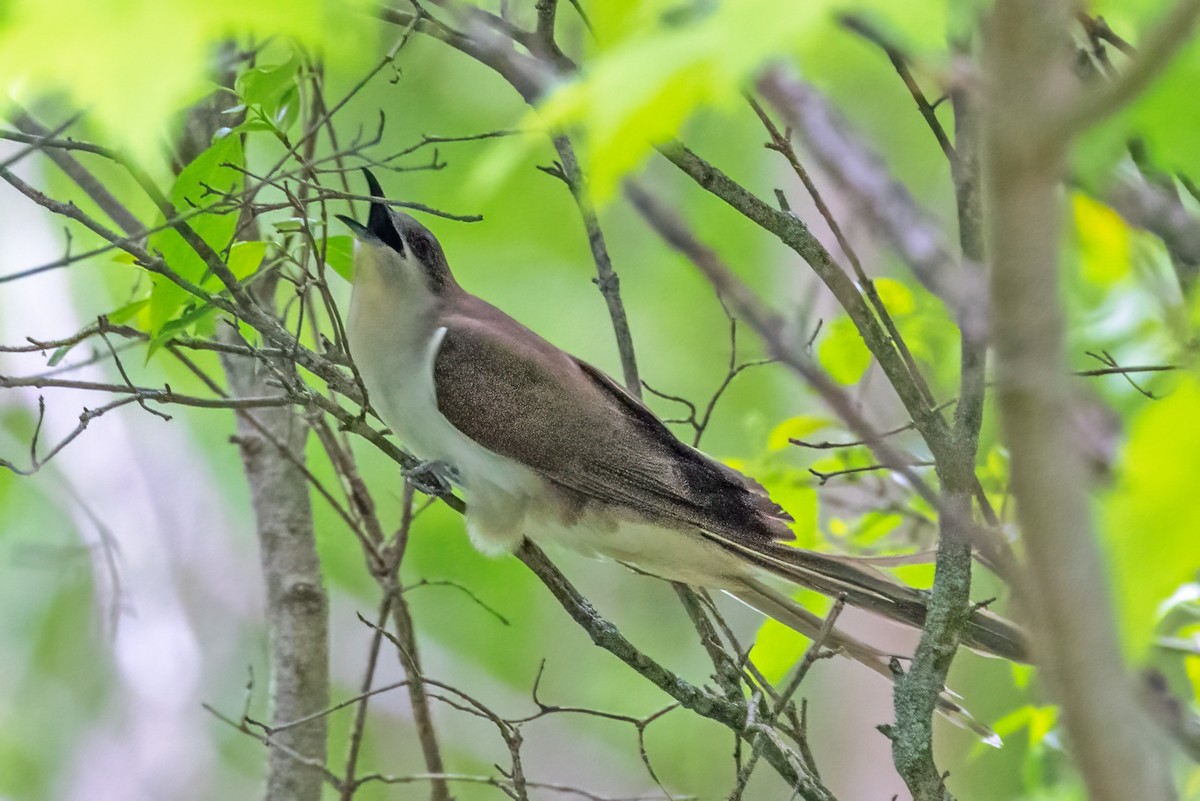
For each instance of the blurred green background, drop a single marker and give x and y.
(129, 585)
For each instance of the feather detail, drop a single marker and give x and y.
(869, 589)
(775, 604)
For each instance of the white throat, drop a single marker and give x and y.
(394, 338)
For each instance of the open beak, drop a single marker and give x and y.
(358, 229)
(378, 222)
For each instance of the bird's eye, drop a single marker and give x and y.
(422, 248)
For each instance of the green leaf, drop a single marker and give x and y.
(191, 190)
(1037, 721)
(794, 428)
(842, 352)
(146, 58)
(339, 255)
(293, 224)
(184, 324)
(874, 526)
(262, 85)
(127, 312)
(288, 110)
(1104, 241)
(58, 355)
(777, 648)
(1166, 117)
(1150, 518)
(896, 297)
(245, 257)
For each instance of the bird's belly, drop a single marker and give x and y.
(500, 491)
(674, 554)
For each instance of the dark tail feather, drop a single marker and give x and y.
(870, 589)
(775, 604)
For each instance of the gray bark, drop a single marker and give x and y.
(297, 608)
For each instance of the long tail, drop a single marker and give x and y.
(868, 588)
(775, 604)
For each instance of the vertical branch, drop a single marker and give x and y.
(547, 11)
(410, 659)
(1064, 588)
(968, 192)
(917, 691)
(349, 780)
(297, 608)
(606, 277)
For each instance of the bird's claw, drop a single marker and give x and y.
(431, 477)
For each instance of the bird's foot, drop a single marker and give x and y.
(432, 477)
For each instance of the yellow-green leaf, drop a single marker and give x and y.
(659, 64)
(145, 59)
(1150, 518)
(1104, 241)
(244, 258)
(797, 427)
(843, 353)
(339, 256)
(896, 297)
(778, 648)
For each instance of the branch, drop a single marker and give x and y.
(1157, 208)
(410, 660)
(606, 277)
(729, 713)
(780, 346)
(1075, 642)
(863, 27)
(886, 203)
(782, 143)
(919, 690)
(91, 185)
(769, 326)
(166, 395)
(1160, 45)
(795, 234)
(968, 194)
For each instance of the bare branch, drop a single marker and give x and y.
(864, 28)
(606, 277)
(885, 202)
(1075, 643)
(606, 635)
(1158, 48)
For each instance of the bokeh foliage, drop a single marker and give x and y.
(655, 70)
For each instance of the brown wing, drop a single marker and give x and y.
(517, 395)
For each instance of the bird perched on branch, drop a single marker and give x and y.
(549, 447)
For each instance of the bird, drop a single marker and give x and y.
(549, 447)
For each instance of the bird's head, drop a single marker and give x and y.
(395, 252)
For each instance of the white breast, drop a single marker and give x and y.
(395, 353)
